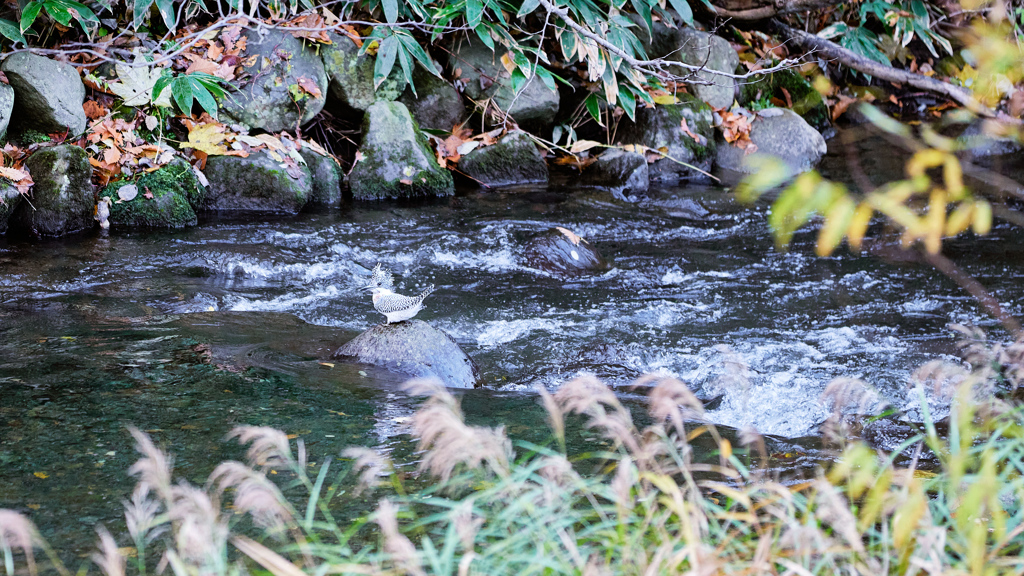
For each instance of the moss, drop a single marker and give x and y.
(514, 160)
(807, 102)
(698, 118)
(30, 136)
(175, 191)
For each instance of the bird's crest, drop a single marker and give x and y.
(382, 278)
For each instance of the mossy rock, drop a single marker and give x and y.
(272, 98)
(62, 199)
(9, 200)
(6, 108)
(436, 104)
(48, 94)
(396, 160)
(660, 129)
(807, 102)
(327, 177)
(257, 183)
(484, 76)
(351, 76)
(712, 52)
(512, 160)
(176, 192)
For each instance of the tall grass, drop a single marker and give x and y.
(641, 505)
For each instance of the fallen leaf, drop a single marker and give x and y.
(128, 192)
(93, 110)
(41, 475)
(309, 86)
(686, 128)
(570, 235)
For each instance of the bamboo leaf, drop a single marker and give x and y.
(390, 10)
(386, 54)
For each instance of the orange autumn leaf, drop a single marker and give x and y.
(93, 110)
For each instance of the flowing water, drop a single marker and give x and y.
(186, 334)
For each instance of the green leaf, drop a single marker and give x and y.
(181, 91)
(518, 80)
(11, 31)
(527, 7)
(484, 33)
(390, 10)
(58, 12)
(593, 103)
(386, 53)
(627, 101)
(166, 9)
(407, 66)
(140, 11)
(203, 96)
(418, 53)
(683, 8)
(547, 78)
(161, 84)
(474, 12)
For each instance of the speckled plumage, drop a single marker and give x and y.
(395, 307)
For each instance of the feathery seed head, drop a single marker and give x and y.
(17, 531)
(109, 557)
(154, 468)
(369, 463)
(267, 446)
(254, 495)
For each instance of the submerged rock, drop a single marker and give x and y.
(278, 97)
(713, 53)
(326, 176)
(661, 129)
(351, 76)
(48, 95)
(559, 251)
(415, 348)
(618, 171)
(175, 192)
(982, 141)
(61, 201)
(777, 132)
(512, 160)
(485, 77)
(257, 183)
(436, 104)
(396, 161)
(9, 200)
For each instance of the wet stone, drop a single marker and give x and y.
(511, 161)
(174, 190)
(327, 178)
(9, 200)
(62, 197)
(777, 132)
(483, 76)
(660, 129)
(351, 77)
(258, 183)
(6, 108)
(555, 252)
(416, 349)
(621, 172)
(48, 94)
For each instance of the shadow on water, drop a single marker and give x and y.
(186, 334)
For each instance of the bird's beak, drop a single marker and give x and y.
(369, 287)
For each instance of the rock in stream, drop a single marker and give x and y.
(415, 348)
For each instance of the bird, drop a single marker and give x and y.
(394, 307)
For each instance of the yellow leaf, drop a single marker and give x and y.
(583, 145)
(328, 364)
(982, 217)
(41, 475)
(506, 61)
(959, 219)
(570, 235)
(936, 220)
(837, 222)
(726, 448)
(208, 138)
(859, 225)
(666, 99)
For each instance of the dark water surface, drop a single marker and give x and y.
(187, 334)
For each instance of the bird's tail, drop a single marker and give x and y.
(426, 292)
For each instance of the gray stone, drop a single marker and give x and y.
(351, 76)
(555, 252)
(514, 159)
(9, 200)
(658, 42)
(979, 142)
(326, 178)
(415, 348)
(48, 94)
(619, 171)
(6, 108)
(174, 189)
(777, 132)
(436, 103)
(396, 160)
(62, 200)
(485, 77)
(661, 129)
(271, 97)
(257, 183)
(713, 53)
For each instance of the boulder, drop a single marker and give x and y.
(351, 76)
(659, 41)
(660, 128)
(777, 132)
(807, 102)
(984, 140)
(9, 200)
(257, 183)
(618, 171)
(436, 104)
(175, 192)
(6, 108)
(713, 53)
(48, 94)
(483, 77)
(396, 161)
(415, 348)
(61, 200)
(277, 96)
(514, 159)
(326, 176)
(561, 252)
